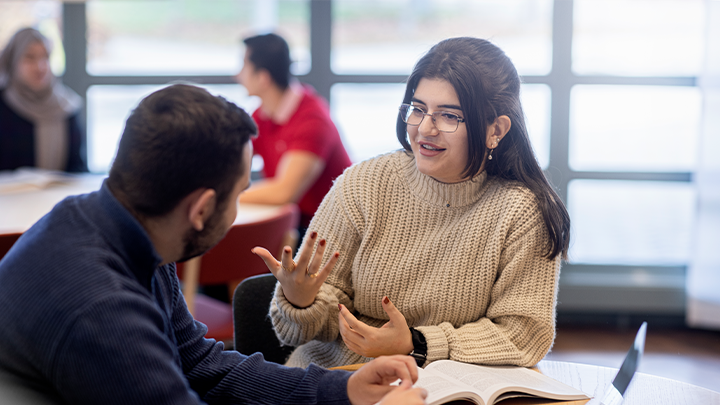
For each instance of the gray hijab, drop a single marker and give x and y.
(48, 109)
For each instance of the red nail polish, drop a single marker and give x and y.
(337, 254)
(386, 300)
(313, 235)
(339, 307)
(322, 242)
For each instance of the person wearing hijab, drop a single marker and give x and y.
(39, 116)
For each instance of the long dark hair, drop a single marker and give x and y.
(488, 86)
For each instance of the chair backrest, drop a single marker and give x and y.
(6, 242)
(253, 328)
(232, 260)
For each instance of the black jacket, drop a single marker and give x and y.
(17, 141)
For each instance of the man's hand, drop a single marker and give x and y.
(405, 394)
(372, 382)
(394, 337)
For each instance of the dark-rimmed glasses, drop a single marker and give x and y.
(445, 121)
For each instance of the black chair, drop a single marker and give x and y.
(253, 328)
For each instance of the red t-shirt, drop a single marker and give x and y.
(310, 129)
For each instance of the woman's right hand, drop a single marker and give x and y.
(300, 281)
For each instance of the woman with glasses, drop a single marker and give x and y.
(448, 249)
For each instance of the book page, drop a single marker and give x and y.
(440, 388)
(491, 381)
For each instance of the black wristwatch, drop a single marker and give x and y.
(419, 347)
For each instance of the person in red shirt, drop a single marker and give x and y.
(300, 146)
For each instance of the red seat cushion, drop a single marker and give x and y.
(216, 315)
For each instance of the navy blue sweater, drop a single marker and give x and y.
(88, 316)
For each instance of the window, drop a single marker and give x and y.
(635, 115)
(638, 37)
(187, 37)
(388, 36)
(631, 222)
(634, 128)
(535, 99)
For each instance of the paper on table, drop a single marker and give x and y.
(29, 179)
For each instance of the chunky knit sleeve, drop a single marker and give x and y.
(518, 327)
(337, 221)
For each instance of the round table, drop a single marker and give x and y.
(25, 201)
(644, 389)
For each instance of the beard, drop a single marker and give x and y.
(198, 242)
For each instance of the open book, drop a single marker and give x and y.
(448, 380)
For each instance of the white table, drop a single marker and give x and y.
(21, 207)
(643, 389)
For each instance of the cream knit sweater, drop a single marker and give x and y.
(462, 262)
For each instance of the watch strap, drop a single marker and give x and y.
(419, 352)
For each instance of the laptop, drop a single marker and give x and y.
(614, 393)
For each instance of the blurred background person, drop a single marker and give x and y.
(39, 116)
(300, 146)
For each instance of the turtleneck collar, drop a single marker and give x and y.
(448, 195)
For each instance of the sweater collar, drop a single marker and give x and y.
(122, 231)
(435, 192)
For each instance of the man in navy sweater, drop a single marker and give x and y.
(91, 310)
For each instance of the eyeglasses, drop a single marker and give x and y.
(444, 121)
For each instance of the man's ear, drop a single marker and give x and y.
(202, 205)
(497, 131)
(265, 78)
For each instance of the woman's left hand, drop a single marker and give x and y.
(393, 337)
